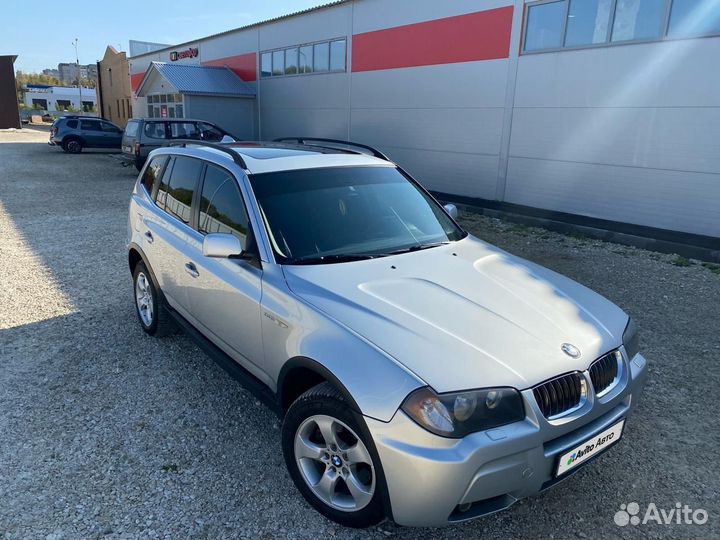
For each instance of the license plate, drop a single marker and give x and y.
(127, 148)
(590, 448)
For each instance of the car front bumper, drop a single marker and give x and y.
(435, 481)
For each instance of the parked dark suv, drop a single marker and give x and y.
(73, 133)
(143, 135)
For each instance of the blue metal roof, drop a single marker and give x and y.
(205, 80)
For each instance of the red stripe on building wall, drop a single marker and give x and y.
(484, 35)
(135, 80)
(244, 65)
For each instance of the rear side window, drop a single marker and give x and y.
(131, 129)
(152, 173)
(72, 124)
(181, 187)
(155, 130)
(221, 205)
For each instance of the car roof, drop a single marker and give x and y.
(265, 157)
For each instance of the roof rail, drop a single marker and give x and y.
(310, 140)
(236, 157)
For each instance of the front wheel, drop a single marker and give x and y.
(329, 458)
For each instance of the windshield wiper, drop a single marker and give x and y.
(330, 259)
(416, 247)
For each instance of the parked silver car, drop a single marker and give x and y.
(422, 373)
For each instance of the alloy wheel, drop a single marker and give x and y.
(143, 299)
(334, 463)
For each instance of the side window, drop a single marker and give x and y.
(109, 127)
(208, 132)
(152, 173)
(163, 187)
(72, 124)
(155, 130)
(221, 205)
(91, 125)
(183, 183)
(183, 130)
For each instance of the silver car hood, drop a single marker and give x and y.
(465, 315)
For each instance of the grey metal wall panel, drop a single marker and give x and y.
(323, 24)
(470, 175)
(466, 84)
(684, 139)
(235, 115)
(304, 122)
(680, 73)
(318, 90)
(473, 131)
(373, 15)
(673, 200)
(235, 43)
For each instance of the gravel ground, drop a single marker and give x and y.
(108, 433)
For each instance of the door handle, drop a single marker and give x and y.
(149, 237)
(191, 269)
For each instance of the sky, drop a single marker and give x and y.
(41, 33)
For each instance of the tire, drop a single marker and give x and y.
(333, 463)
(72, 146)
(150, 309)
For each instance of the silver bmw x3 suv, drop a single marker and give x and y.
(421, 373)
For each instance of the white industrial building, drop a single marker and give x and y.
(603, 113)
(60, 98)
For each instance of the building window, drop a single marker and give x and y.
(692, 18)
(337, 55)
(638, 19)
(588, 22)
(556, 24)
(291, 61)
(321, 57)
(544, 26)
(278, 63)
(305, 61)
(150, 111)
(266, 64)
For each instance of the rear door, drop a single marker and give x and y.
(129, 137)
(225, 294)
(170, 227)
(154, 135)
(92, 132)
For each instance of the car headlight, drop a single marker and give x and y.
(457, 414)
(631, 339)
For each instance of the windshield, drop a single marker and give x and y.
(348, 213)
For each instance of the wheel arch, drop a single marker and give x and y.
(136, 255)
(301, 373)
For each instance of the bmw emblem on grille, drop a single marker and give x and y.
(571, 350)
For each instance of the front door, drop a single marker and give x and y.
(225, 294)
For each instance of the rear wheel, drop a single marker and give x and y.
(72, 146)
(330, 459)
(152, 314)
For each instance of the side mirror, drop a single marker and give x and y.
(452, 210)
(227, 139)
(221, 245)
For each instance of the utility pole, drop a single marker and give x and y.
(77, 63)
